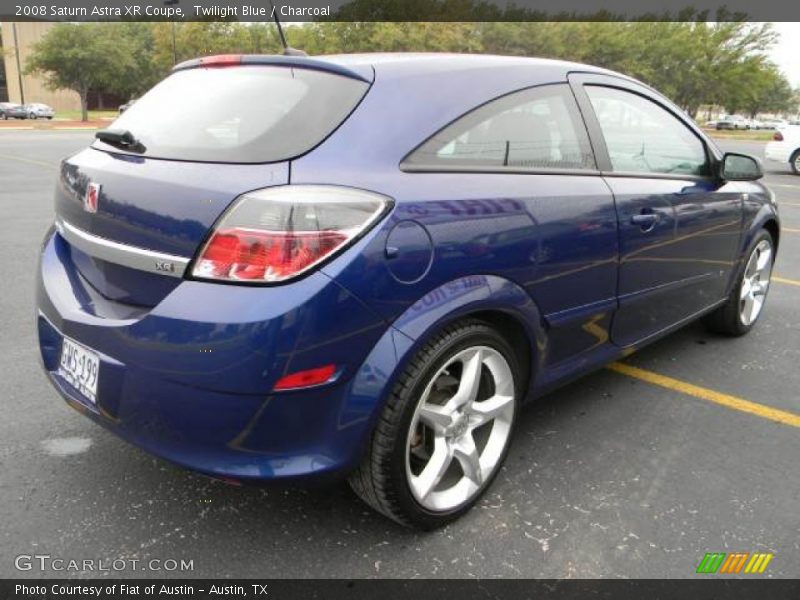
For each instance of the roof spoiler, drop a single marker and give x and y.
(361, 73)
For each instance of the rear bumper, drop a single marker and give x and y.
(190, 380)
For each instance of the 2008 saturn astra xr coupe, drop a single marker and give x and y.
(281, 267)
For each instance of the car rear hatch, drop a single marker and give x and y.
(137, 205)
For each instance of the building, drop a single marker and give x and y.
(15, 46)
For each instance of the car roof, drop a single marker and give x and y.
(414, 95)
(426, 63)
(505, 70)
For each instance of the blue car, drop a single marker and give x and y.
(287, 268)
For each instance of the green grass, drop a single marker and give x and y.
(93, 114)
(762, 135)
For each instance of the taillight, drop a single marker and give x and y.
(278, 233)
(777, 136)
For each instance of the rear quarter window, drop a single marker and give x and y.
(538, 128)
(241, 114)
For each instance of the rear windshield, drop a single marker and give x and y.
(243, 114)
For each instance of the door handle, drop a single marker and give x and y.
(647, 219)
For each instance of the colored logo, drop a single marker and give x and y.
(92, 197)
(735, 562)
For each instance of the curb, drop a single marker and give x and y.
(67, 128)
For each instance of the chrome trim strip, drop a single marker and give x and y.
(132, 257)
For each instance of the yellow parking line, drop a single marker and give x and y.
(732, 402)
(790, 230)
(784, 280)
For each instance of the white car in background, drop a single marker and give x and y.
(733, 122)
(37, 110)
(785, 147)
(774, 123)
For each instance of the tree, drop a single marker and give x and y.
(766, 90)
(202, 38)
(693, 62)
(143, 71)
(337, 37)
(82, 57)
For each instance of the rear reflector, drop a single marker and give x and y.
(221, 60)
(778, 136)
(230, 481)
(304, 379)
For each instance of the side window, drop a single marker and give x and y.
(641, 136)
(535, 128)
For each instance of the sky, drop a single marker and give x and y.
(786, 54)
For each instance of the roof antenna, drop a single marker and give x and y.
(287, 49)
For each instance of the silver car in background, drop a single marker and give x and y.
(37, 110)
(11, 110)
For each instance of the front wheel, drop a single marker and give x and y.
(738, 316)
(795, 162)
(32, 116)
(445, 429)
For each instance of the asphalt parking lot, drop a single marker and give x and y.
(617, 475)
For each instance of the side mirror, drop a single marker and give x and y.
(740, 167)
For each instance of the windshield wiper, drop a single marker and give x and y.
(121, 138)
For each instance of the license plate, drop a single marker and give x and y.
(81, 367)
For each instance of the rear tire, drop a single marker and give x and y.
(445, 428)
(745, 304)
(795, 162)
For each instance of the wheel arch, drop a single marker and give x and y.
(765, 219)
(512, 328)
(771, 225)
(496, 300)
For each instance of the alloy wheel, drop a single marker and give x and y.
(755, 282)
(460, 429)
